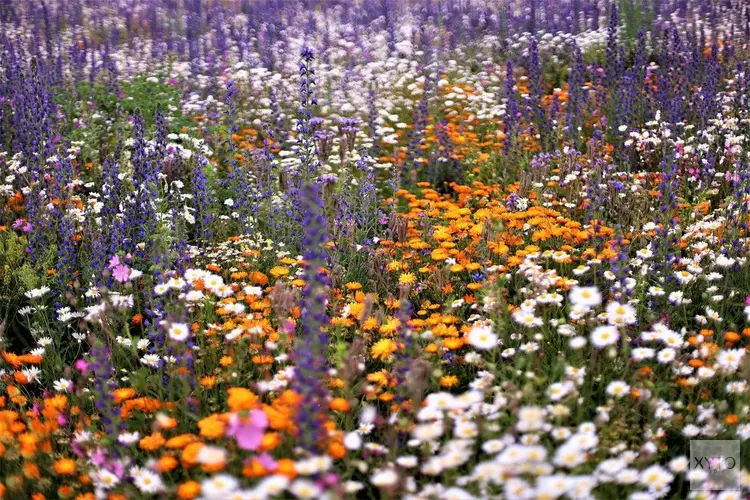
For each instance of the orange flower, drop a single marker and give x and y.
(179, 442)
(241, 399)
(339, 404)
(731, 336)
(123, 393)
(208, 381)
(59, 402)
(28, 443)
(279, 416)
(65, 467)
(189, 455)
(212, 427)
(336, 450)
(262, 360)
(259, 278)
(188, 490)
(166, 463)
(152, 442)
(254, 468)
(65, 491)
(165, 422)
(386, 397)
(270, 441)
(12, 360)
(285, 467)
(31, 470)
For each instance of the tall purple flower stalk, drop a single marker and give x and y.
(612, 62)
(512, 110)
(410, 166)
(624, 112)
(66, 247)
(538, 113)
(203, 199)
(310, 346)
(574, 108)
(100, 362)
(667, 208)
(105, 239)
(141, 213)
(237, 178)
(304, 126)
(403, 357)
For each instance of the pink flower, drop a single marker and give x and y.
(747, 300)
(114, 262)
(248, 431)
(267, 461)
(121, 273)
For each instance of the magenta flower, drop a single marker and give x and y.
(81, 365)
(248, 431)
(98, 457)
(121, 273)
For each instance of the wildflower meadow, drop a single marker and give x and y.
(365, 249)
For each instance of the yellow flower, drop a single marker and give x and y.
(383, 349)
(407, 279)
(390, 326)
(380, 378)
(369, 324)
(439, 254)
(448, 381)
(279, 271)
(394, 266)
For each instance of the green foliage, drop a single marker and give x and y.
(95, 116)
(16, 277)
